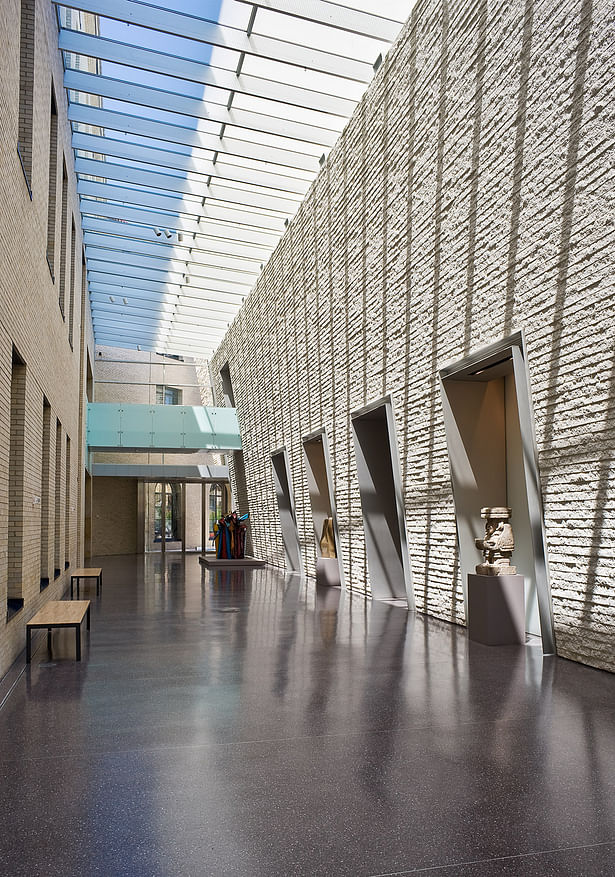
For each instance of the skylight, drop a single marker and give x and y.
(197, 132)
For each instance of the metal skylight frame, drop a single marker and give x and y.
(189, 168)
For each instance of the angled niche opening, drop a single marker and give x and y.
(329, 567)
(378, 471)
(492, 452)
(228, 395)
(286, 507)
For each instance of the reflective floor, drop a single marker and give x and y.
(224, 723)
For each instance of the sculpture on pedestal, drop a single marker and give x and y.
(230, 536)
(327, 540)
(497, 544)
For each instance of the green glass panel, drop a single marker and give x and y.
(161, 427)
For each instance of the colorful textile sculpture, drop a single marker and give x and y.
(230, 536)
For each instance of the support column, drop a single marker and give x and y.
(182, 512)
(204, 518)
(163, 515)
(141, 517)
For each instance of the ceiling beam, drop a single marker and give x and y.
(207, 74)
(226, 37)
(139, 306)
(163, 334)
(177, 251)
(193, 137)
(180, 185)
(195, 303)
(105, 272)
(215, 237)
(197, 351)
(147, 285)
(157, 217)
(378, 27)
(197, 108)
(192, 268)
(121, 325)
(143, 312)
(189, 164)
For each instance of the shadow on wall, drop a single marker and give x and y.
(563, 267)
(433, 372)
(481, 44)
(241, 493)
(600, 524)
(515, 198)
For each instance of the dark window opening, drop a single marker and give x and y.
(53, 185)
(26, 88)
(168, 395)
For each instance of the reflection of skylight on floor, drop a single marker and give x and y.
(198, 128)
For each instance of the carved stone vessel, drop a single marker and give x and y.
(497, 544)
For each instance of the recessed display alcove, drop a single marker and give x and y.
(492, 452)
(329, 567)
(286, 507)
(384, 524)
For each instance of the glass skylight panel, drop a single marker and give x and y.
(266, 167)
(126, 107)
(143, 166)
(296, 114)
(140, 140)
(165, 82)
(284, 144)
(188, 171)
(309, 33)
(302, 77)
(253, 189)
(175, 44)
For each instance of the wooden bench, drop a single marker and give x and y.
(58, 613)
(86, 573)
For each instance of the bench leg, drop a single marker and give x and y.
(28, 645)
(78, 642)
(87, 616)
(49, 640)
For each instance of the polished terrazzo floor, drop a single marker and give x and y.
(223, 723)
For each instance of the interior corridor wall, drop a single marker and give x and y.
(39, 268)
(115, 519)
(470, 195)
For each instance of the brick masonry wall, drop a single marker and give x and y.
(470, 195)
(114, 516)
(30, 319)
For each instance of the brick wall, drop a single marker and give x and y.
(31, 321)
(16, 479)
(27, 42)
(470, 195)
(114, 516)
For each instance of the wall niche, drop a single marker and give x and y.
(492, 453)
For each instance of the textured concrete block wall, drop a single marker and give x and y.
(470, 195)
(31, 321)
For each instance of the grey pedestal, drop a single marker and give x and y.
(230, 563)
(496, 609)
(328, 572)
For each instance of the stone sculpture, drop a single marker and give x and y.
(497, 544)
(327, 540)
